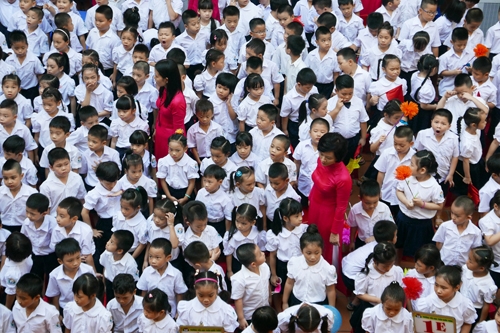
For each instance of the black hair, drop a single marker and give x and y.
(311, 235)
(86, 283)
(18, 247)
(11, 164)
(322, 3)
(429, 255)
(230, 11)
(384, 231)
(443, 113)
(142, 48)
(131, 160)
(51, 80)
(393, 292)
(168, 69)
(257, 46)
(452, 274)
(222, 144)
(253, 81)
(196, 252)
(392, 107)
(213, 55)
(136, 197)
(466, 203)
(99, 131)
(255, 22)
(322, 30)
(327, 20)
(218, 35)
(138, 137)
(131, 18)
(124, 240)
(495, 200)
(287, 208)
(66, 247)
(72, 205)
(141, 66)
(493, 163)
(188, 14)
(90, 67)
(420, 40)
(386, 26)
(347, 53)
(61, 60)
(425, 64)
(237, 176)
(254, 63)
(215, 171)
(459, 34)
(482, 64)
(194, 210)
(156, 301)
(246, 253)
(128, 83)
(296, 45)
(126, 102)
(472, 116)
(278, 170)
(204, 105)
(30, 284)
(264, 319)
(38, 202)
(333, 142)
(404, 132)
(124, 283)
(57, 154)
(308, 319)
(106, 11)
(295, 29)
(285, 8)
(455, 11)
(50, 92)
(274, 7)
(228, 80)
(61, 20)
(107, 171)
(463, 79)
(320, 121)
(63, 32)
(162, 243)
(87, 112)
(11, 77)
(270, 110)
(313, 102)
(244, 138)
(344, 82)
(374, 20)
(484, 256)
(94, 56)
(60, 122)
(426, 159)
(306, 75)
(424, 3)
(383, 253)
(369, 188)
(14, 144)
(177, 137)
(37, 11)
(207, 278)
(346, 2)
(285, 140)
(167, 25)
(474, 15)
(18, 36)
(207, 4)
(249, 212)
(168, 206)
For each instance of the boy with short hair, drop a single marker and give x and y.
(264, 320)
(30, 310)
(14, 148)
(285, 16)
(322, 6)
(77, 34)
(69, 226)
(126, 306)
(147, 94)
(61, 182)
(236, 36)
(38, 42)
(400, 154)
(278, 189)
(88, 118)
(18, 17)
(473, 19)
(350, 25)
(250, 287)
(10, 125)
(166, 36)
(363, 215)
(367, 37)
(224, 113)
(278, 152)
(346, 59)
(201, 134)
(329, 21)
(295, 45)
(489, 189)
(491, 41)
(456, 237)
(272, 21)
(391, 12)
(13, 196)
(197, 256)
(257, 31)
(265, 132)
(248, 11)
(280, 56)
(61, 279)
(161, 274)
(253, 66)
(484, 87)
(115, 15)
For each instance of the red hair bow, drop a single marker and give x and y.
(297, 19)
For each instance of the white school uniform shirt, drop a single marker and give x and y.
(307, 14)
(486, 193)
(229, 167)
(470, 146)
(382, 86)
(375, 320)
(271, 23)
(411, 26)
(282, 59)
(125, 322)
(97, 319)
(11, 273)
(74, 156)
(99, 199)
(137, 225)
(292, 101)
(218, 204)
(477, 37)
(177, 174)
(251, 161)
(486, 326)
(255, 198)
(261, 142)
(479, 290)
(270, 72)
(262, 172)
(363, 81)
(350, 29)
(148, 184)
(103, 44)
(210, 237)
(116, 23)
(38, 43)
(7, 9)
(427, 283)
(123, 130)
(191, 99)
(285, 315)
(166, 325)
(171, 283)
(338, 41)
(221, 117)
(79, 29)
(21, 130)
(24, 108)
(427, 93)
(247, 13)
(193, 46)
(360, 219)
(445, 27)
(218, 314)
(251, 288)
(308, 157)
(91, 159)
(371, 58)
(201, 140)
(148, 95)
(205, 83)
(311, 281)
(5, 68)
(67, 88)
(18, 22)
(460, 307)
(248, 108)
(28, 70)
(273, 202)
(286, 243)
(101, 98)
(40, 238)
(4, 234)
(239, 92)
(374, 283)
(140, 111)
(61, 284)
(236, 40)
(410, 57)
(75, 62)
(81, 231)
(456, 245)
(452, 61)
(428, 190)
(490, 225)
(143, 7)
(112, 267)
(444, 150)
(255, 236)
(348, 120)
(154, 232)
(376, 133)
(394, 19)
(54, 189)
(324, 67)
(13, 209)
(365, 40)
(160, 11)
(487, 91)
(45, 318)
(492, 38)
(122, 58)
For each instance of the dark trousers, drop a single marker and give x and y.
(104, 225)
(43, 265)
(352, 145)
(325, 89)
(30, 93)
(193, 70)
(293, 132)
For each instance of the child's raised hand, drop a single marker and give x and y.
(340, 104)
(170, 218)
(374, 100)
(467, 96)
(450, 93)
(382, 138)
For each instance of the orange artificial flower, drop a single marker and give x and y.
(179, 131)
(480, 50)
(410, 109)
(403, 172)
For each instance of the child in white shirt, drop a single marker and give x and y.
(278, 151)
(92, 92)
(224, 113)
(348, 24)
(11, 126)
(57, 64)
(265, 132)
(278, 189)
(219, 151)
(112, 14)
(491, 40)
(323, 318)
(156, 316)
(122, 54)
(11, 87)
(244, 156)
(13, 148)
(423, 91)
(248, 108)
(126, 312)
(204, 83)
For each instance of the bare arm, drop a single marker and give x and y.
(238, 305)
(331, 294)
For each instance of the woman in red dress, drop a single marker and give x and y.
(330, 193)
(171, 105)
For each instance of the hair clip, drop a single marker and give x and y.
(238, 173)
(176, 203)
(215, 37)
(179, 131)
(196, 272)
(150, 295)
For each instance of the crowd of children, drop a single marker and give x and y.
(153, 178)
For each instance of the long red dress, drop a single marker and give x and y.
(170, 119)
(328, 199)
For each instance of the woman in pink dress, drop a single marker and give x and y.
(331, 190)
(171, 105)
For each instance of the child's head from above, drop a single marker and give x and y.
(244, 143)
(59, 162)
(166, 34)
(428, 10)
(90, 56)
(126, 109)
(218, 39)
(448, 282)
(160, 253)
(131, 17)
(420, 41)
(427, 260)
(369, 195)
(327, 19)
(383, 255)
(11, 86)
(250, 255)
(51, 100)
(165, 208)
(124, 289)
(254, 65)
(373, 22)
(155, 304)
(441, 121)
(120, 242)
(108, 174)
(68, 253)
(293, 29)
(132, 200)
(206, 285)
(278, 177)
(138, 142)
(385, 231)
(196, 216)
(455, 11)
(244, 179)
(423, 164)
(392, 112)
(205, 10)
(215, 59)
(459, 38)
(177, 146)
(347, 7)
(68, 211)
(58, 64)
(480, 259)
(324, 39)
(344, 87)
(59, 128)
(332, 148)
(279, 148)
(63, 21)
(204, 111)
(85, 289)
(12, 175)
(141, 53)
(255, 48)
(34, 17)
(191, 21)
(213, 177)
(220, 148)
(257, 28)
(29, 289)
(225, 83)
(393, 298)
(391, 66)
(243, 218)
(288, 215)
(126, 85)
(266, 117)
(473, 19)
(264, 319)
(48, 80)
(481, 68)
(196, 254)
(17, 247)
(103, 18)
(308, 319)
(25, 5)
(311, 245)
(285, 15)
(37, 206)
(133, 166)
(64, 6)
(129, 38)
(231, 15)
(474, 118)
(306, 79)
(140, 72)
(13, 148)
(493, 164)
(97, 138)
(322, 6)
(8, 112)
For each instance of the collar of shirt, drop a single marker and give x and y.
(39, 311)
(248, 274)
(44, 227)
(216, 100)
(314, 268)
(375, 275)
(242, 196)
(378, 209)
(214, 308)
(38, 31)
(469, 230)
(431, 279)
(454, 303)
(211, 127)
(215, 194)
(254, 233)
(425, 184)
(448, 135)
(23, 191)
(382, 316)
(99, 90)
(182, 162)
(94, 312)
(106, 152)
(134, 221)
(298, 231)
(62, 276)
(136, 305)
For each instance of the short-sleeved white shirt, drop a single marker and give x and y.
(383, 128)
(311, 281)
(286, 243)
(40, 238)
(255, 198)
(11, 273)
(54, 189)
(375, 320)
(112, 268)
(28, 70)
(354, 262)
(210, 237)
(292, 101)
(323, 67)
(487, 91)
(305, 126)
(4, 234)
(486, 326)
(125, 322)
(21, 130)
(123, 130)
(270, 72)
(158, 52)
(411, 26)
(490, 225)
(248, 108)
(348, 120)
(371, 58)
(75, 61)
(160, 11)
(427, 93)
(148, 95)
(194, 47)
(382, 86)
(261, 143)
(116, 23)
(137, 225)
(45, 318)
(456, 245)
(427, 283)
(104, 45)
(218, 204)
(273, 202)
(166, 325)
(251, 288)
(492, 38)
(218, 314)
(262, 172)
(122, 58)
(351, 29)
(428, 190)
(251, 161)
(221, 117)
(147, 183)
(452, 61)
(255, 236)
(99, 199)
(38, 42)
(61, 284)
(308, 157)
(374, 283)
(96, 319)
(154, 232)
(486, 193)
(177, 174)
(284, 317)
(479, 290)
(24, 108)
(5, 68)
(201, 140)
(470, 146)
(360, 219)
(75, 156)
(205, 83)
(13, 209)
(81, 231)
(101, 98)
(91, 159)
(410, 57)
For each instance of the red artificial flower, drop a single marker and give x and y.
(403, 172)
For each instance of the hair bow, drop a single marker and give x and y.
(298, 20)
